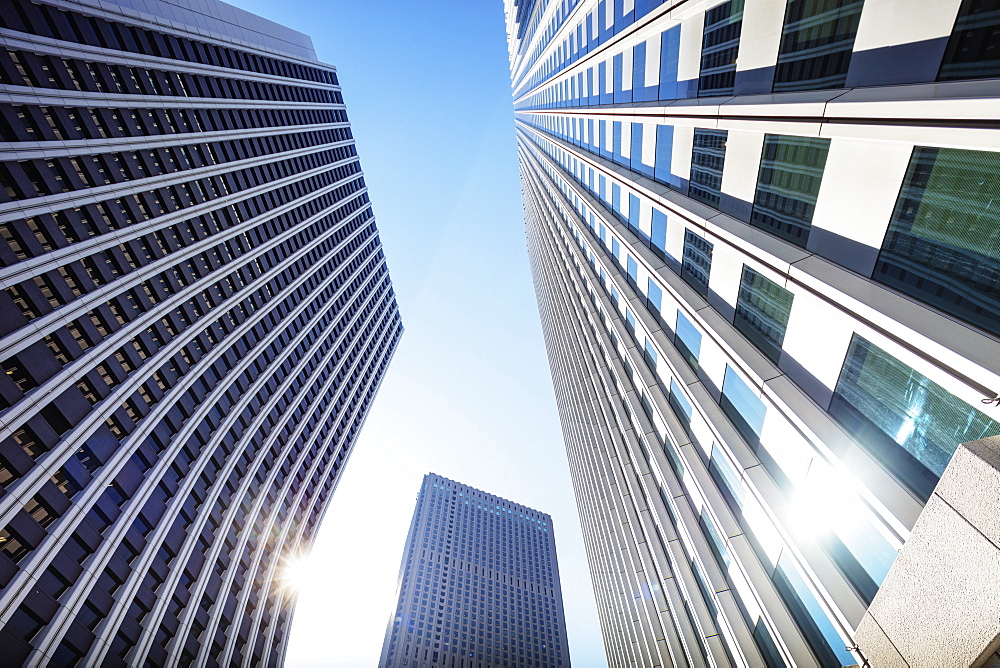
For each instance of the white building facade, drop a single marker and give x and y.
(766, 248)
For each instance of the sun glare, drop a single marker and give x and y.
(297, 573)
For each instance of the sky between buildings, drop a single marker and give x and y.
(468, 394)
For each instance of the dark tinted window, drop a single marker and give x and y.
(762, 310)
(791, 169)
(697, 263)
(719, 48)
(974, 48)
(707, 160)
(816, 44)
(943, 243)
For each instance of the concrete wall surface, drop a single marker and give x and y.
(940, 604)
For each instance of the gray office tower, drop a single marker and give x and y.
(478, 586)
(195, 314)
(766, 248)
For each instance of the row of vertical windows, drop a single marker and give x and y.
(942, 246)
(68, 26)
(33, 70)
(815, 49)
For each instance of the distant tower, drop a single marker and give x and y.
(478, 586)
(195, 315)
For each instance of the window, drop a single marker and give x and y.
(974, 48)
(943, 243)
(719, 48)
(816, 44)
(727, 478)
(791, 169)
(632, 267)
(762, 310)
(697, 262)
(862, 554)
(658, 233)
(688, 340)
(670, 44)
(905, 419)
(655, 296)
(680, 404)
(649, 355)
(826, 643)
(707, 159)
(664, 153)
(715, 540)
(741, 403)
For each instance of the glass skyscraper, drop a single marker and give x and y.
(195, 315)
(765, 242)
(478, 585)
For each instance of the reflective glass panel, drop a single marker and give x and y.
(943, 244)
(707, 159)
(823, 638)
(974, 48)
(719, 47)
(816, 44)
(905, 419)
(791, 169)
(697, 264)
(680, 404)
(741, 403)
(688, 339)
(762, 310)
(658, 233)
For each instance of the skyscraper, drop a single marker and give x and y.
(195, 315)
(764, 239)
(478, 586)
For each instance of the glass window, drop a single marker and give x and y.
(762, 310)
(649, 354)
(658, 233)
(697, 264)
(826, 643)
(707, 159)
(632, 267)
(943, 243)
(680, 404)
(664, 153)
(616, 249)
(727, 478)
(741, 403)
(719, 48)
(905, 419)
(862, 554)
(630, 320)
(765, 643)
(816, 44)
(715, 541)
(633, 211)
(670, 44)
(688, 340)
(974, 48)
(655, 296)
(791, 169)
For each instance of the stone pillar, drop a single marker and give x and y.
(940, 604)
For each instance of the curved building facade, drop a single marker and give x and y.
(195, 315)
(766, 249)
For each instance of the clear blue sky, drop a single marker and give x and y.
(468, 394)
